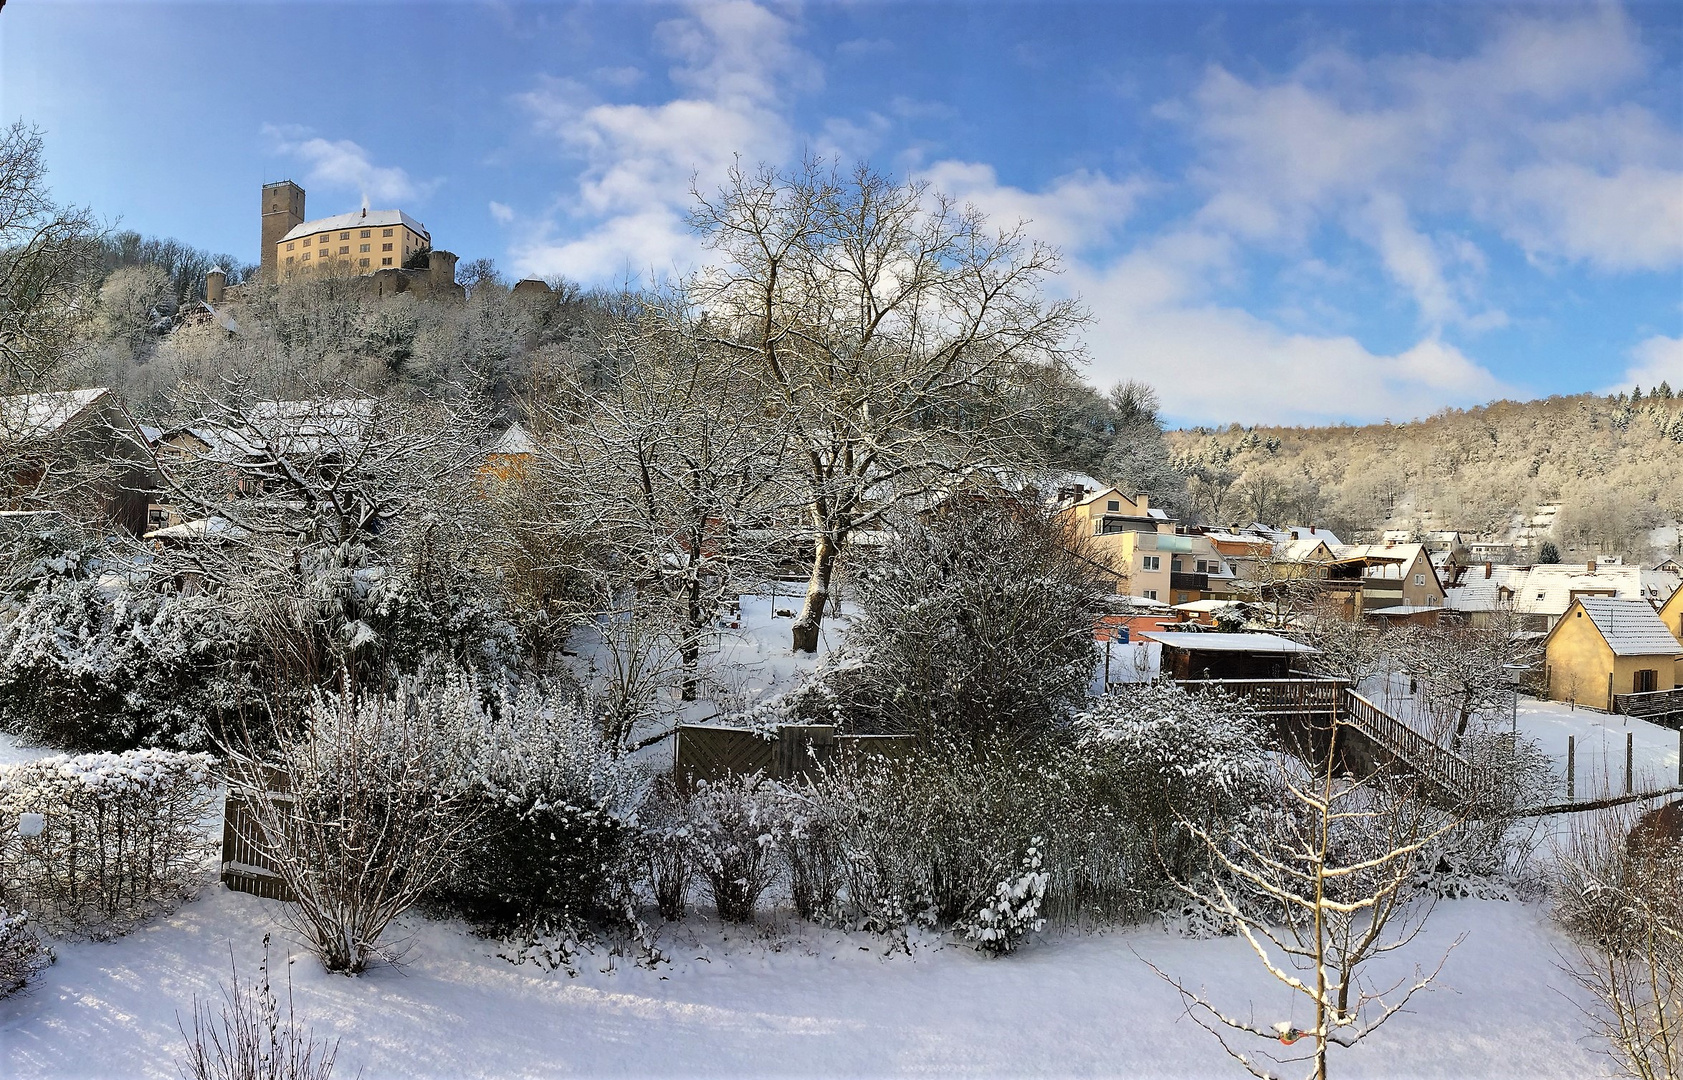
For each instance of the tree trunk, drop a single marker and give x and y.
(691, 648)
(811, 619)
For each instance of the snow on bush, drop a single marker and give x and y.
(1014, 908)
(89, 667)
(120, 835)
(551, 808)
(21, 952)
(732, 823)
(664, 849)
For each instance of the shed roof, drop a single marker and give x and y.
(1247, 643)
(1630, 627)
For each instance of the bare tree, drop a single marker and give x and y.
(1465, 672)
(900, 338)
(1318, 895)
(48, 258)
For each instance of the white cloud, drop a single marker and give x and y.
(502, 213)
(737, 64)
(1078, 211)
(345, 165)
(1656, 359)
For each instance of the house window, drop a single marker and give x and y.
(344, 236)
(1646, 681)
(289, 244)
(306, 256)
(307, 240)
(385, 247)
(362, 263)
(1419, 579)
(365, 247)
(366, 233)
(1153, 562)
(1113, 506)
(1180, 598)
(385, 232)
(344, 249)
(386, 261)
(1150, 594)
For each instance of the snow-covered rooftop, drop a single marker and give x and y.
(1252, 643)
(513, 442)
(1630, 627)
(44, 413)
(358, 219)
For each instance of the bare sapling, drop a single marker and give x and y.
(1319, 893)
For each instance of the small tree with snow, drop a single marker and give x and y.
(732, 827)
(1318, 895)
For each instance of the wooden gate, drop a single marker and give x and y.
(246, 865)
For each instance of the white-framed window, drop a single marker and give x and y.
(1152, 562)
(344, 236)
(1419, 579)
(366, 233)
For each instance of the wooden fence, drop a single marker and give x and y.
(1663, 707)
(794, 752)
(246, 865)
(1306, 696)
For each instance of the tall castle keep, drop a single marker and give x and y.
(283, 211)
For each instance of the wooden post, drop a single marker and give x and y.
(1680, 757)
(1108, 632)
(1571, 767)
(1630, 742)
(1609, 691)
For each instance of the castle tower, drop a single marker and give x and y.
(216, 283)
(283, 208)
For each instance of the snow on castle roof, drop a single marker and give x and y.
(358, 219)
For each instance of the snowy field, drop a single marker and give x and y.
(13, 752)
(788, 1000)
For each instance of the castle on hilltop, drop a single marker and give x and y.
(388, 247)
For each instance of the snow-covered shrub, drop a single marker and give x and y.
(91, 667)
(806, 840)
(732, 823)
(120, 835)
(250, 1038)
(1488, 852)
(363, 812)
(978, 625)
(1618, 891)
(1160, 756)
(551, 810)
(664, 849)
(1014, 909)
(21, 952)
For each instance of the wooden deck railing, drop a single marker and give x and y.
(1651, 705)
(1448, 770)
(1274, 697)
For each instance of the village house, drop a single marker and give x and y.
(71, 445)
(1671, 614)
(1603, 647)
(1541, 594)
(1154, 557)
(1387, 575)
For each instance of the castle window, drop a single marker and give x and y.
(306, 256)
(344, 249)
(365, 247)
(366, 233)
(385, 232)
(344, 236)
(306, 241)
(385, 247)
(289, 244)
(386, 261)
(289, 258)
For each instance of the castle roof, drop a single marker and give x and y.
(358, 219)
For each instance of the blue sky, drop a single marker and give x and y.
(1276, 212)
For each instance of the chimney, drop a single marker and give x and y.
(1590, 567)
(1143, 501)
(1311, 530)
(1487, 570)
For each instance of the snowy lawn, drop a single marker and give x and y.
(13, 752)
(787, 1000)
(1601, 747)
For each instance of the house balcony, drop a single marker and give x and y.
(1188, 582)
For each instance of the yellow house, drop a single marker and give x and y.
(357, 243)
(1603, 647)
(1671, 614)
(1154, 559)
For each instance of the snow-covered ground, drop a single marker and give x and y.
(13, 752)
(789, 1000)
(1601, 747)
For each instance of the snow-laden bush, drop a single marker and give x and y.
(732, 825)
(551, 809)
(977, 625)
(91, 667)
(362, 812)
(1014, 909)
(664, 850)
(806, 840)
(1162, 756)
(119, 835)
(21, 952)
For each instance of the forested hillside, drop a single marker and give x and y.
(1613, 464)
